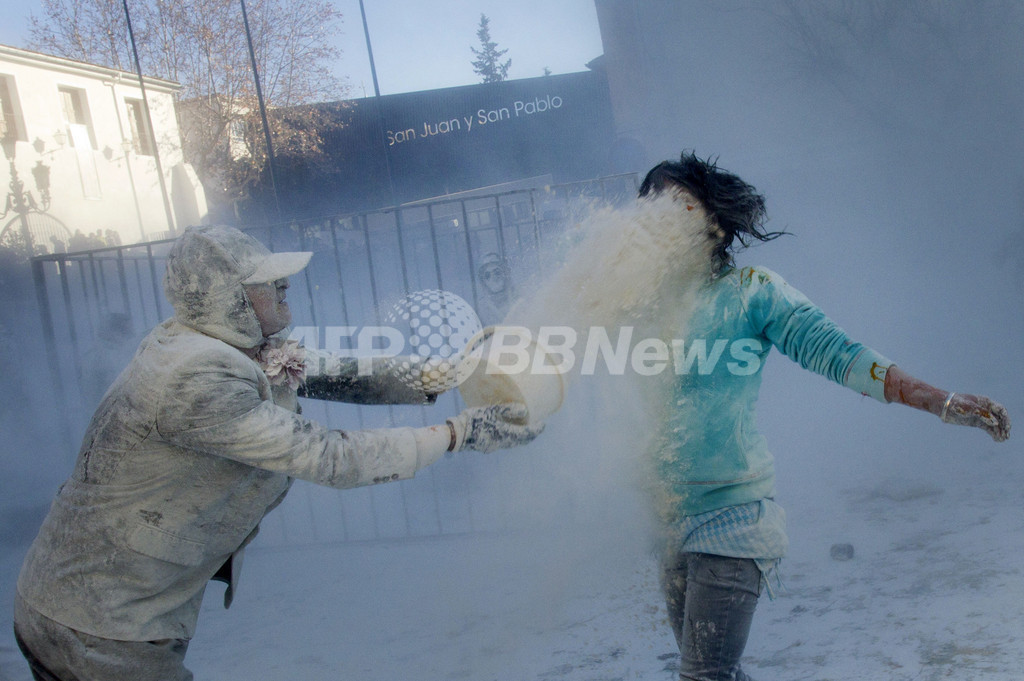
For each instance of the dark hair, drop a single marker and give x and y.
(736, 207)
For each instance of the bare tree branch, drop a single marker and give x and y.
(201, 45)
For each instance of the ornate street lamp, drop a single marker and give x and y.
(20, 201)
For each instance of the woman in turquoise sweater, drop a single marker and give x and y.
(725, 532)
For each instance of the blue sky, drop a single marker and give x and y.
(425, 45)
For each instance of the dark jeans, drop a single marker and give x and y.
(711, 601)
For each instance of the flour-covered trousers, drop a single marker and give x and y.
(57, 653)
(710, 601)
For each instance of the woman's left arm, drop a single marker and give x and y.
(961, 409)
(802, 331)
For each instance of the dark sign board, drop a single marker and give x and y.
(439, 142)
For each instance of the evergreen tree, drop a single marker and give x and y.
(488, 58)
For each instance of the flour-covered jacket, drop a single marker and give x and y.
(182, 459)
(185, 455)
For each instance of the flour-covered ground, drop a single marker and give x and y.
(934, 590)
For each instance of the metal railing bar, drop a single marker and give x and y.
(501, 227)
(143, 308)
(50, 346)
(124, 284)
(306, 277)
(156, 287)
(469, 254)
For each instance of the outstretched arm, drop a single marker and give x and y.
(958, 408)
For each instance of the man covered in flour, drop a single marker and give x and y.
(188, 450)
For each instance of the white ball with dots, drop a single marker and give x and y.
(437, 326)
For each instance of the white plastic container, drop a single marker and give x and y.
(485, 382)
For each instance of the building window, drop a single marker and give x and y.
(10, 111)
(142, 139)
(480, 219)
(75, 108)
(236, 139)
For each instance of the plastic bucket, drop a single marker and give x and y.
(486, 380)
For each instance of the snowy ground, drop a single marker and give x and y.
(933, 591)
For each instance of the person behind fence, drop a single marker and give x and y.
(498, 294)
(724, 533)
(189, 449)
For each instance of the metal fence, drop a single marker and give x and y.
(95, 306)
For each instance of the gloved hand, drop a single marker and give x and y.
(484, 429)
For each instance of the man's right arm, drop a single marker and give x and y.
(336, 378)
(216, 408)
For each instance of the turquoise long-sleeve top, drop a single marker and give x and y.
(714, 456)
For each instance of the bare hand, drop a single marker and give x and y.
(978, 411)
